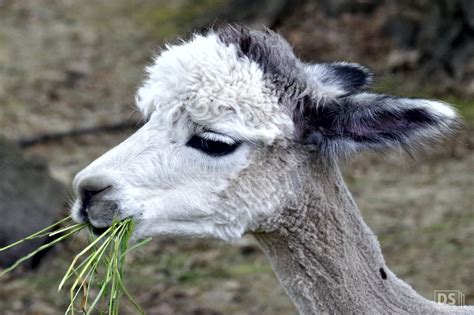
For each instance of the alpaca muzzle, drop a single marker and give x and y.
(97, 209)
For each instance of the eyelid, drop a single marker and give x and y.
(213, 136)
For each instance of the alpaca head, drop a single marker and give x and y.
(231, 115)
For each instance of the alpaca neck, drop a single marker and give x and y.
(329, 261)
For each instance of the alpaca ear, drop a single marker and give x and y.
(339, 78)
(373, 121)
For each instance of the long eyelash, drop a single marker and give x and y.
(215, 136)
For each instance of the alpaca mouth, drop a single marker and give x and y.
(98, 230)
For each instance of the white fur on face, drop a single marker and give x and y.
(206, 82)
(173, 189)
(206, 87)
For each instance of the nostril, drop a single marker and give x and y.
(86, 196)
(88, 193)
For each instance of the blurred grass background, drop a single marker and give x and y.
(74, 65)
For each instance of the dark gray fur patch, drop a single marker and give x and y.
(268, 49)
(283, 71)
(372, 121)
(346, 117)
(352, 77)
(286, 73)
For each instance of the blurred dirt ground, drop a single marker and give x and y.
(69, 64)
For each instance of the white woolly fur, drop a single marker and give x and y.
(208, 88)
(205, 82)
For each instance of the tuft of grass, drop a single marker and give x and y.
(100, 265)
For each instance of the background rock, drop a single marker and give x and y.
(29, 200)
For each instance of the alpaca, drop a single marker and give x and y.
(243, 137)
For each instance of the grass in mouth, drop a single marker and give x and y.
(99, 265)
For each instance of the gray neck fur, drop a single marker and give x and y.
(329, 261)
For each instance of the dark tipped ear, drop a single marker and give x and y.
(339, 78)
(372, 121)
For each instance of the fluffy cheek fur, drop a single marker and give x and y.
(225, 206)
(172, 189)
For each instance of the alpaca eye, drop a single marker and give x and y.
(212, 147)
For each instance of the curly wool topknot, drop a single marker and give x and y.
(206, 82)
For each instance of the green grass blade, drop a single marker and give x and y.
(31, 254)
(38, 234)
(103, 258)
(137, 245)
(76, 258)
